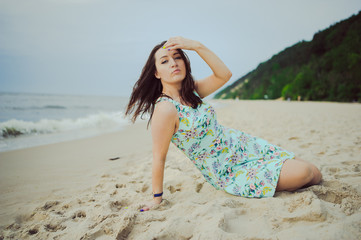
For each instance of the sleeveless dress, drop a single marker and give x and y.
(229, 159)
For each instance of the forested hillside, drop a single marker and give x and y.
(326, 68)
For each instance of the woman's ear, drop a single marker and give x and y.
(156, 75)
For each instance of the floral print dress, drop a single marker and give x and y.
(229, 159)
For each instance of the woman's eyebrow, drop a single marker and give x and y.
(167, 55)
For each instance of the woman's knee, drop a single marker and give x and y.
(317, 176)
(294, 175)
(306, 173)
(302, 171)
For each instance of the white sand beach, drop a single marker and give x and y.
(71, 190)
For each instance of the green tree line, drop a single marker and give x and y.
(327, 68)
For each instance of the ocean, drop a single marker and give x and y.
(28, 120)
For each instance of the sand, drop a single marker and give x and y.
(72, 190)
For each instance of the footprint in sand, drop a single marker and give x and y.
(311, 216)
(337, 176)
(356, 167)
(49, 205)
(306, 145)
(66, 206)
(232, 220)
(120, 185)
(304, 206)
(354, 164)
(94, 235)
(60, 213)
(115, 206)
(114, 193)
(350, 169)
(333, 170)
(177, 188)
(128, 173)
(102, 227)
(145, 188)
(14, 226)
(293, 138)
(33, 230)
(339, 193)
(231, 203)
(53, 227)
(127, 226)
(199, 187)
(304, 198)
(78, 214)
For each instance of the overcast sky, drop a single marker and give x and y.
(98, 47)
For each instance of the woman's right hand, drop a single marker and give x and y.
(182, 43)
(151, 204)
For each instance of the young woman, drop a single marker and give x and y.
(229, 159)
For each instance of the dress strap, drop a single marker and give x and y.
(165, 97)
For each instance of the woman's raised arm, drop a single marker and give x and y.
(221, 73)
(163, 126)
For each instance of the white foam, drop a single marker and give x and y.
(102, 120)
(48, 131)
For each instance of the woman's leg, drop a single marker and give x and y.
(317, 176)
(297, 173)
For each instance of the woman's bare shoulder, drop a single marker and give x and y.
(164, 109)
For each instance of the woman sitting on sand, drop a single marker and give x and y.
(229, 159)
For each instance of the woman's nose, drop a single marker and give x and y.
(173, 62)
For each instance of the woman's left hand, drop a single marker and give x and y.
(151, 204)
(182, 43)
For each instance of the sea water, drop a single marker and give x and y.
(28, 120)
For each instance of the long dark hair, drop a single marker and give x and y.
(148, 88)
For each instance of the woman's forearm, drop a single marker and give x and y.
(220, 70)
(157, 176)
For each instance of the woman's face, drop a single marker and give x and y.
(170, 67)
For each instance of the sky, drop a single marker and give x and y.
(99, 47)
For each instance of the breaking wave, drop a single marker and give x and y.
(106, 121)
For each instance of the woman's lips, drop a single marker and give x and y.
(176, 71)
